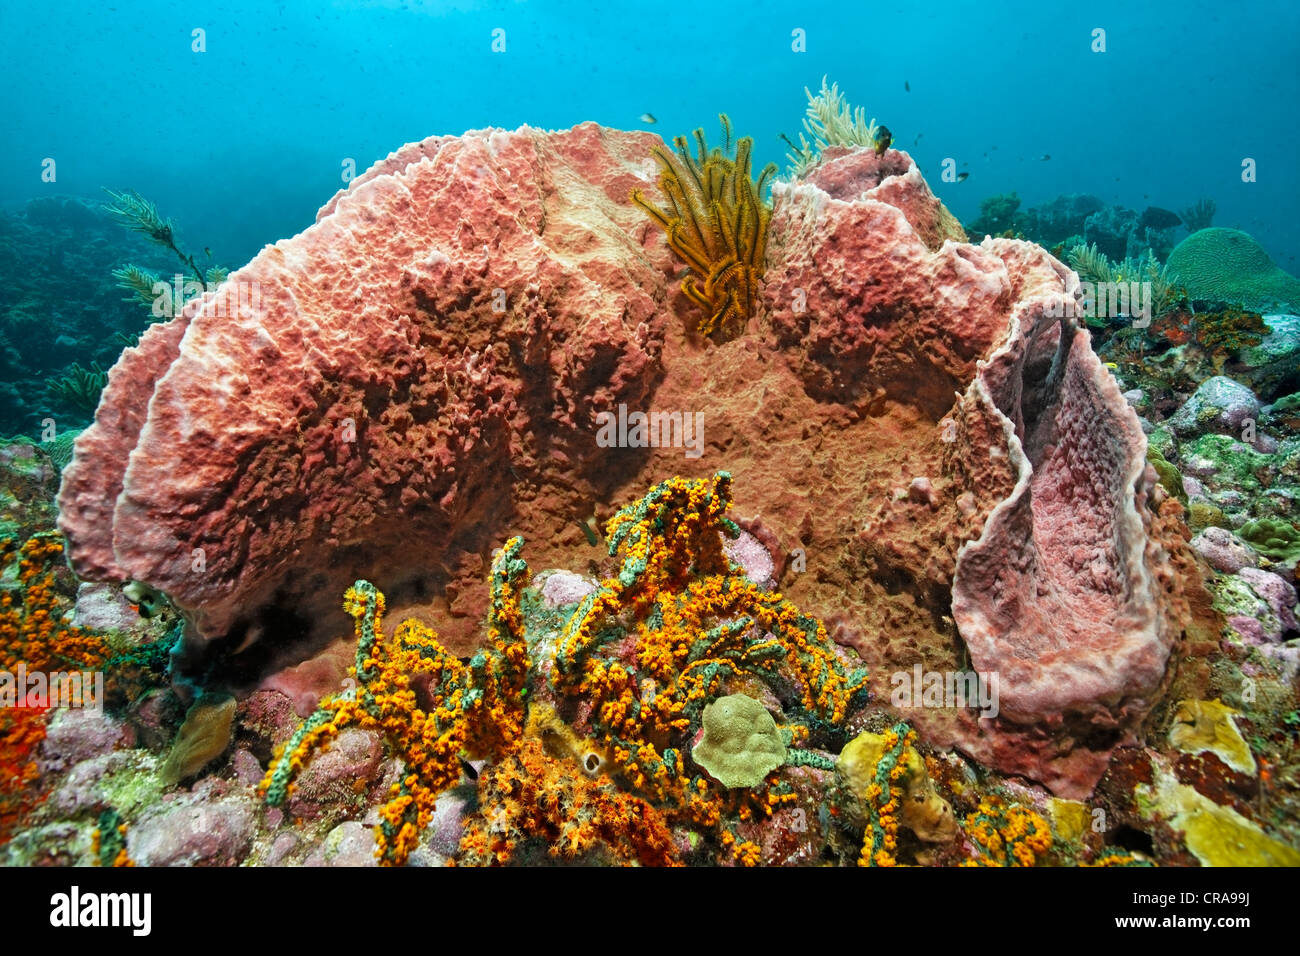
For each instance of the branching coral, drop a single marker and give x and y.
(1200, 215)
(716, 222)
(885, 783)
(698, 623)
(644, 655)
(138, 214)
(108, 842)
(78, 387)
(831, 121)
(475, 708)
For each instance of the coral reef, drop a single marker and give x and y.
(1007, 835)
(700, 626)
(432, 356)
(716, 221)
(997, 216)
(1199, 215)
(872, 319)
(50, 246)
(533, 806)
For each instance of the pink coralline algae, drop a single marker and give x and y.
(941, 464)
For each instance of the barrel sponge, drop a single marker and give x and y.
(1227, 265)
(741, 743)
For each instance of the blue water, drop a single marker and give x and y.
(241, 144)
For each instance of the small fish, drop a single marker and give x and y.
(907, 88)
(961, 177)
(918, 138)
(207, 251)
(648, 118)
(1045, 157)
(883, 138)
(1111, 365)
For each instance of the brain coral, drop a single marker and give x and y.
(1228, 265)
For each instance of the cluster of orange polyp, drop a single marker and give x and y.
(478, 708)
(33, 634)
(700, 628)
(532, 797)
(700, 625)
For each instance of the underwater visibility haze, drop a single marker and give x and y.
(537, 433)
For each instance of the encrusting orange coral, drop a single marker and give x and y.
(698, 623)
(1007, 835)
(33, 634)
(478, 708)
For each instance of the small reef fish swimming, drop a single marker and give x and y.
(883, 138)
(961, 177)
(648, 118)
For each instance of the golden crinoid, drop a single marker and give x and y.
(716, 222)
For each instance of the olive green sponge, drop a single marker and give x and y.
(741, 743)
(1227, 265)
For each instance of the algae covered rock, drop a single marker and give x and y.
(1206, 725)
(1216, 835)
(1274, 538)
(1273, 366)
(1218, 405)
(1223, 550)
(741, 743)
